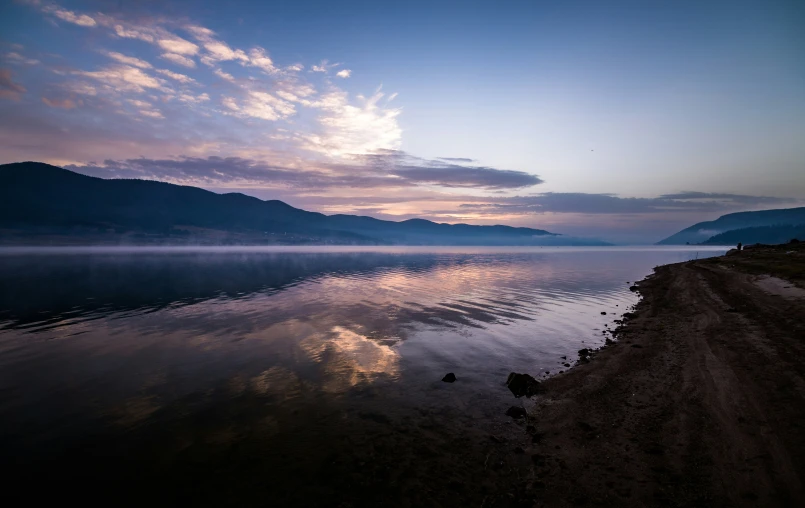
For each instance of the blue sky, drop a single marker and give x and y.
(622, 120)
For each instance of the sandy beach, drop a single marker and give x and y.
(700, 401)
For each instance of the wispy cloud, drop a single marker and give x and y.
(59, 103)
(8, 88)
(127, 60)
(597, 204)
(324, 66)
(69, 16)
(179, 60)
(383, 170)
(181, 78)
(18, 59)
(720, 197)
(123, 78)
(260, 105)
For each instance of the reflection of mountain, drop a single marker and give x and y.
(703, 232)
(71, 286)
(380, 292)
(40, 203)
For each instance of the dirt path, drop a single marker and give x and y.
(700, 402)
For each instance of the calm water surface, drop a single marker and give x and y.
(166, 354)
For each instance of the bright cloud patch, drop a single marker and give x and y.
(261, 105)
(70, 16)
(179, 60)
(178, 46)
(349, 129)
(128, 60)
(123, 77)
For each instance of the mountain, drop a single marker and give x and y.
(703, 231)
(770, 235)
(40, 203)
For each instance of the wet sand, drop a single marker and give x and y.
(700, 401)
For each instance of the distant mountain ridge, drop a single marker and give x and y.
(703, 232)
(770, 235)
(40, 202)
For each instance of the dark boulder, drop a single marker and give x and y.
(516, 412)
(584, 355)
(633, 288)
(523, 385)
(449, 378)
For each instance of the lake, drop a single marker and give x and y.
(293, 375)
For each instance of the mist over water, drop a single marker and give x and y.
(150, 353)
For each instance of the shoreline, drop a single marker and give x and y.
(698, 402)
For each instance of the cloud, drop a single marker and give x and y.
(133, 33)
(179, 60)
(218, 51)
(445, 174)
(224, 75)
(151, 113)
(139, 103)
(59, 103)
(211, 170)
(70, 16)
(123, 77)
(178, 46)
(81, 88)
(270, 107)
(337, 125)
(259, 58)
(384, 170)
(595, 204)
(723, 197)
(324, 66)
(230, 103)
(354, 129)
(478, 177)
(194, 99)
(215, 50)
(128, 60)
(455, 159)
(8, 88)
(16, 58)
(260, 105)
(181, 78)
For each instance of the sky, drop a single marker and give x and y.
(621, 120)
